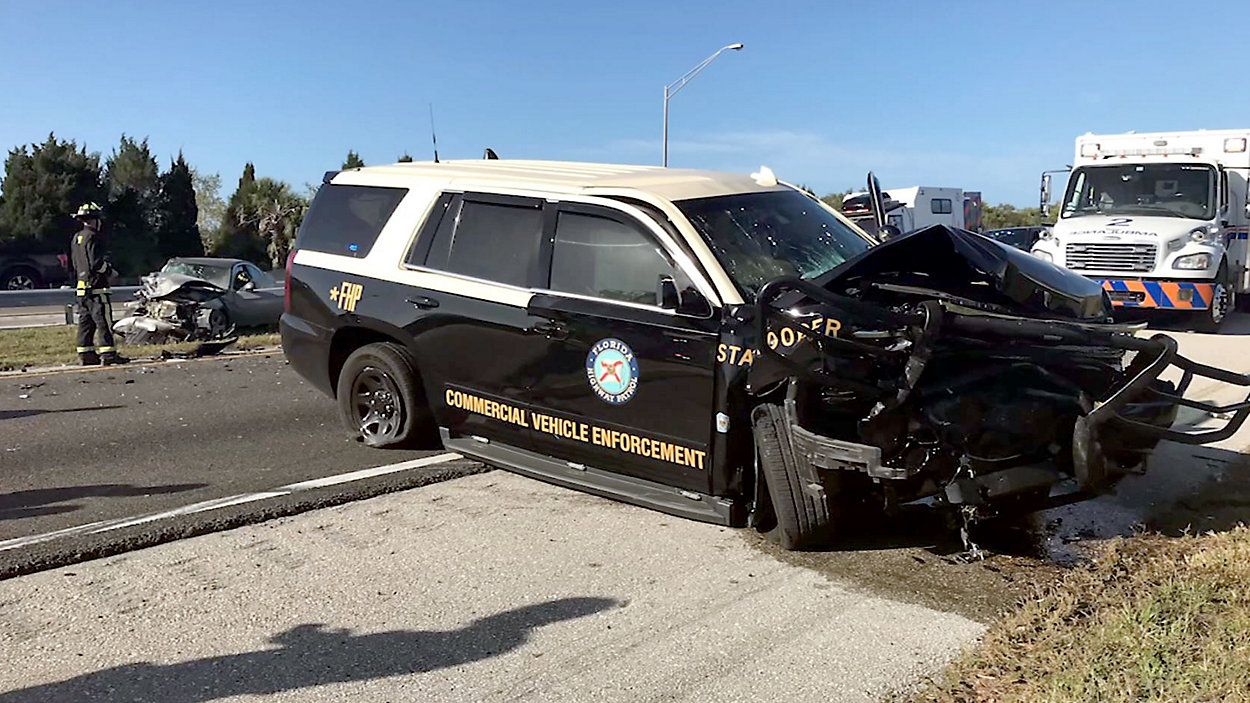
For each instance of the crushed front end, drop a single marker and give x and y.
(944, 366)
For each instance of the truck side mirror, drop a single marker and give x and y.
(876, 201)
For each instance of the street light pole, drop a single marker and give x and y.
(671, 89)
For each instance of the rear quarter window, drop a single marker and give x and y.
(346, 220)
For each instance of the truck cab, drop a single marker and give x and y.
(1159, 220)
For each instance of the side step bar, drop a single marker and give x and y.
(628, 489)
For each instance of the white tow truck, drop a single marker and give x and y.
(1159, 219)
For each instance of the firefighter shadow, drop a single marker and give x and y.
(51, 501)
(313, 655)
(36, 412)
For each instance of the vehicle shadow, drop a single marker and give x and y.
(43, 501)
(35, 412)
(313, 655)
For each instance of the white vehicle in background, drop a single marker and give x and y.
(1159, 219)
(918, 207)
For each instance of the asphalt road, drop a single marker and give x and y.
(482, 587)
(86, 447)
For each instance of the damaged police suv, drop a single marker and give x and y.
(717, 346)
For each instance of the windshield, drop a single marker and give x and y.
(1167, 190)
(218, 275)
(760, 236)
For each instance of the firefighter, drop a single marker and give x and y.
(93, 270)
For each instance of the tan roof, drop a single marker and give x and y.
(565, 177)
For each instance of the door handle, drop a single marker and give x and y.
(550, 329)
(423, 302)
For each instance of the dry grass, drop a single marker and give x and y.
(1152, 619)
(54, 346)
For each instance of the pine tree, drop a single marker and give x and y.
(405, 159)
(353, 160)
(239, 236)
(132, 180)
(43, 185)
(177, 233)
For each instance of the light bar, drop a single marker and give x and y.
(1089, 150)
(1234, 145)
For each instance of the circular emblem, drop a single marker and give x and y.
(612, 370)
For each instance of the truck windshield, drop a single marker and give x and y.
(760, 236)
(1167, 190)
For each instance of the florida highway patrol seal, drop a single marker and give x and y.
(612, 370)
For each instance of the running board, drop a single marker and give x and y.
(628, 489)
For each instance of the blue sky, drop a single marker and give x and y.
(979, 95)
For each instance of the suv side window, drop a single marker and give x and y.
(604, 257)
(495, 239)
(347, 220)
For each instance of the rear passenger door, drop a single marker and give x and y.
(626, 385)
(472, 268)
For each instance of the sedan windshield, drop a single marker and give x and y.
(760, 236)
(1166, 190)
(218, 275)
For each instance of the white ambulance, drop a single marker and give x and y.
(1159, 219)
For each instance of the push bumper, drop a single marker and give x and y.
(1164, 295)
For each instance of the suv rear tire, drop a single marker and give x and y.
(380, 398)
(803, 519)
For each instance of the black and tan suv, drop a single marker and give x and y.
(718, 346)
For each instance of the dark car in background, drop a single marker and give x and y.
(1018, 237)
(30, 271)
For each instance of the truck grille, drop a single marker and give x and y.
(1111, 257)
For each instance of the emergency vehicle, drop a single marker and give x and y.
(719, 346)
(1158, 219)
(917, 207)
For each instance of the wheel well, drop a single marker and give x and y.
(348, 340)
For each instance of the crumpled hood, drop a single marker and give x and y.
(960, 263)
(1135, 228)
(181, 288)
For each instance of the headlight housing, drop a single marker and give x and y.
(1193, 262)
(1043, 255)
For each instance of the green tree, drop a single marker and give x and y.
(239, 236)
(276, 211)
(177, 233)
(353, 160)
(43, 184)
(209, 205)
(1004, 215)
(131, 178)
(834, 200)
(406, 158)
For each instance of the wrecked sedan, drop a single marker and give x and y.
(716, 346)
(200, 299)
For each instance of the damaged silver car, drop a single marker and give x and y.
(200, 299)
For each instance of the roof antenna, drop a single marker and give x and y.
(433, 136)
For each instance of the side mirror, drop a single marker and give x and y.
(684, 302)
(876, 201)
(888, 232)
(249, 286)
(666, 294)
(1247, 209)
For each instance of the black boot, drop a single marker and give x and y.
(89, 359)
(113, 359)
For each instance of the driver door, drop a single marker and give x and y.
(626, 383)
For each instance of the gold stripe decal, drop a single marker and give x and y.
(577, 430)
